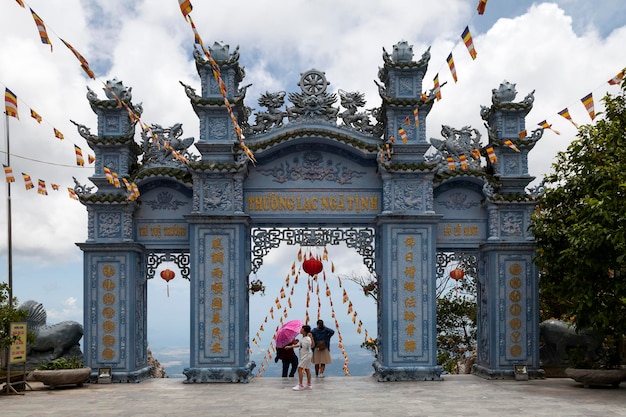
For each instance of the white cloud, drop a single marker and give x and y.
(561, 50)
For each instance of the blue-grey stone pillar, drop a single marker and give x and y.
(508, 312)
(219, 300)
(407, 302)
(115, 321)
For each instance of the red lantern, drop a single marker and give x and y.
(312, 266)
(168, 275)
(457, 274)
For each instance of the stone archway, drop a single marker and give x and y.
(321, 168)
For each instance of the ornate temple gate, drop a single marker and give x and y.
(398, 203)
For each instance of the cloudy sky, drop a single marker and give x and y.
(562, 50)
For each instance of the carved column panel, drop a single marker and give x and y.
(407, 302)
(508, 312)
(115, 317)
(219, 300)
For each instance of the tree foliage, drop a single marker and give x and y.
(580, 226)
(8, 314)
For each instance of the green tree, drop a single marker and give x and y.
(8, 314)
(580, 228)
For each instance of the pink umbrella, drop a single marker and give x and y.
(287, 333)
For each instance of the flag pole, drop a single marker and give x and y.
(9, 231)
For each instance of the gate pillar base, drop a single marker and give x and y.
(124, 376)
(486, 373)
(407, 373)
(219, 374)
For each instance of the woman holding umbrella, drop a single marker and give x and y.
(304, 365)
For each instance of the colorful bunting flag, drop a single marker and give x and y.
(58, 134)
(8, 172)
(546, 125)
(588, 103)
(407, 121)
(28, 183)
(35, 116)
(54, 186)
(476, 153)
(463, 161)
(451, 164)
(116, 180)
(450, 60)
(437, 87)
(402, 135)
(416, 118)
(21, 3)
(481, 6)
(469, 43)
(83, 62)
(492, 155)
(185, 7)
(522, 134)
(41, 188)
(10, 103)
(196, 36)
(618, 78)
(566, 115)
(42, 29)
(91, 159)
(511, 145)
(72, 193)
(107, 175)
(79, 156)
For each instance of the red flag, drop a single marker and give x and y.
(42, 29)
(565, 114)
(588, 103)
(451, 66)
(35, 116)
(481, 6)
(10, 103)
(469, 43)
(185, 7)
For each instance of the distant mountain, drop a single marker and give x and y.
(176, 358)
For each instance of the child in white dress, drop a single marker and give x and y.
(304, 365)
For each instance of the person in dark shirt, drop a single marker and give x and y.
(321, 352)
(288, 357)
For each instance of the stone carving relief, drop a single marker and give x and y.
(218, 195)
(457, 144)
(409, 195)
(312, 167)
(165, 201)
(109, 225)
(156, 154)
(511, 223)
(458, 201)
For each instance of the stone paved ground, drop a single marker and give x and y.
(458, 395)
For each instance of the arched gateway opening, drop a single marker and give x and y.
(331, 171)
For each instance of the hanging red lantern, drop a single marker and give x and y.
(457, 274)
(312, 266)
(167, 275)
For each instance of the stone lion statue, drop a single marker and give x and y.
(51, 341)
